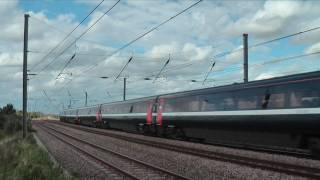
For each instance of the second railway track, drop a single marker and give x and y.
(129, 167)
(281, 167)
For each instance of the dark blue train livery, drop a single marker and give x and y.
(281, 112)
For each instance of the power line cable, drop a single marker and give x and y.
(144, 34)
(265, 42)
(214, 63)
(65, 66)
(87, 30)
(284, 37)
(287, 58)
(136, 39)
(66, 37)
(167, 62)
(130, 59)
(62, 31)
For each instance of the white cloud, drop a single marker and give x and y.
(313, 48)
(264, 76)
(191, 39)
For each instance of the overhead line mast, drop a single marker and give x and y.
(25, 75)
(88, 68)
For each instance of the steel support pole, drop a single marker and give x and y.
(86, 103)
(245, 58)
(124, 88)
(24, 80)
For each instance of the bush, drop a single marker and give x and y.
(12, 124)
(8, 109)
(23, 159)
(2, 121)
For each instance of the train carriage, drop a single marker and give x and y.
(269, 112)
(278, 112)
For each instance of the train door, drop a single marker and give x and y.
(98, 121)
(150, 109)
(159, 112)
(151, 118)
(77, 119)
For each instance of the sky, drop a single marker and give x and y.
(193, 41)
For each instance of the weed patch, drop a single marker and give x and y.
(23, 159)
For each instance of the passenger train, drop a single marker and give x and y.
(281, 112)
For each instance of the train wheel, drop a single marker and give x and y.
(141, 128)
(179, 133)
(105, 125)
(314, 145)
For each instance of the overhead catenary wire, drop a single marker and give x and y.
(64, 32)
(157, 76)
(208, 73)
(265, 42)
(50, 100)
(140, 78)
(269, 42)
(82, 34)
(144, 34)
(69, 34)
(136, 39)
(123, 68)
(284, 37)
(65, 66)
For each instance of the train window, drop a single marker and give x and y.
(93, 111)
(217, 102)
(228, 103)
(182, 104)
(85, 111)
(304, 98)
(295, 99)
(168, 106)
(208, 104)
(194, 105)
(140, 107)
(121, 108)
(249, 102)
(277, 100)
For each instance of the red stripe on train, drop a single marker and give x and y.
(159, 112)
(149, 112)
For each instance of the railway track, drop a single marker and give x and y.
(281, 167)
(289, 152)
(126, 166)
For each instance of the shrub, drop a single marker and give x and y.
(8, 109)
(23, 159)
(12, 124)
(2, 121)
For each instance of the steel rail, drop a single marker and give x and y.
(105, 163)
(103, 149)
(291, 169)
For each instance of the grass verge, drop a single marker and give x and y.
(2, 135)
(23, 159)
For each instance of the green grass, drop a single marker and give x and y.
(2, 135)
(23, 159)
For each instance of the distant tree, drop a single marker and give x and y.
(0, 110)
(8, 109)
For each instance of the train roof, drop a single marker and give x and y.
(241, 85)
(218, 88)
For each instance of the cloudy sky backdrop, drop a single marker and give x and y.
(191, 40)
